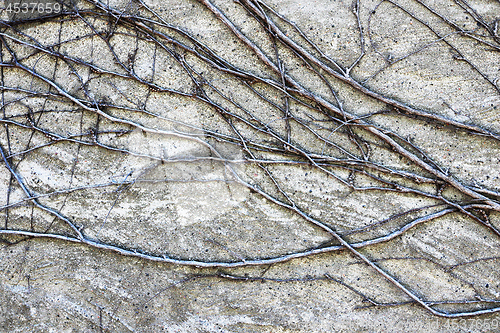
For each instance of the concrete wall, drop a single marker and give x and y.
(346, 185)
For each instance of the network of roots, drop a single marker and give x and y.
(109, 108)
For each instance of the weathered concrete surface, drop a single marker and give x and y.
(200, 213)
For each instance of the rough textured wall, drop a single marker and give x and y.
(277, 166)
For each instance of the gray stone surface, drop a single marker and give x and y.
(136, 197)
